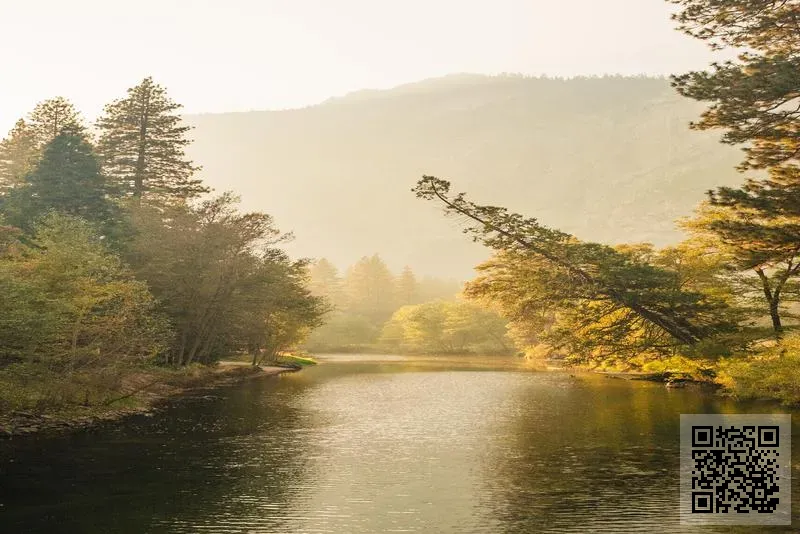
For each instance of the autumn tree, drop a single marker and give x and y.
(142, 145)
(755, 100)
(630, 291)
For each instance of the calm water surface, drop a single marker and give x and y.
(386, 445)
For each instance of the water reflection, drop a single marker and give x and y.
(386, 445)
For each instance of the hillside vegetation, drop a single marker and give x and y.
(607, 159)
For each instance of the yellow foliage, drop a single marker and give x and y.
(773, 372)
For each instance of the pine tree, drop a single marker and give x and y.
(369, 287)
(51, 117)
(324, 281)
(22, 149)
(755, 100)
(67, 180)
(407, 287)
(18, 155)
(142, 146)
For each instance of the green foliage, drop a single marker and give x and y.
(754, 100)
(78, 261)
(18, 156)
(620, 297)
(343, 332)
(220, 280)
(771, 373)
(364, 300)
(370, 289)
(761, 251)
(21, 150)
(70, 302)
(142, 143)
(445, 327)
(67, 179)
(296, 359)
(51, 117)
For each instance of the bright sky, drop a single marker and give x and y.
(233, 55)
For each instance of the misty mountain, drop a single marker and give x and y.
(608, 159)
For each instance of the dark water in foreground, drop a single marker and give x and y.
(383, 446)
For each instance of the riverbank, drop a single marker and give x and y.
(142, 391)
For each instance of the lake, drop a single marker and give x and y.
(362, 444)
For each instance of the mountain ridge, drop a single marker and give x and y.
(609, 159)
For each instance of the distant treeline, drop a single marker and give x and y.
(376, 310)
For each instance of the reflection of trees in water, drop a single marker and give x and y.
(202, 462)
(589, 455)
(567, 454)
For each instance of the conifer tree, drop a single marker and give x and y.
(756, 101)
(142, 146)
(50, 117)
(324, 281)
(407, 287)
(370, 289)
(18, 154)
(67, 180)
(21, 149)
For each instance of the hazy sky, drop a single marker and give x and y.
(225, 55)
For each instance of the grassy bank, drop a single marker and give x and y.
(34, 400)
(770, 372)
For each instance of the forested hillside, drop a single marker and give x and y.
(607, 159)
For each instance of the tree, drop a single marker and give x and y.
(324, 281)
(756, 100)
(70, 301)
(221, 280)
(21, 150)
(369, 287)
(407, 287)
(445, 327)
(50, 117)
(18, 155)
(620, 285)
(66, 180)
(142, 142)
(292, 311)
(762, 242)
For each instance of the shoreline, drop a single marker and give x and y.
(160, 388)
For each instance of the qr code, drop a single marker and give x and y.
(736, 469)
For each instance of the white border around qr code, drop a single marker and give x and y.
(701, 504)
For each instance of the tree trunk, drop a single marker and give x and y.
(773, 299)
(776, 319)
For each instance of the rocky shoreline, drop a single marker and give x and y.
(146, 400)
